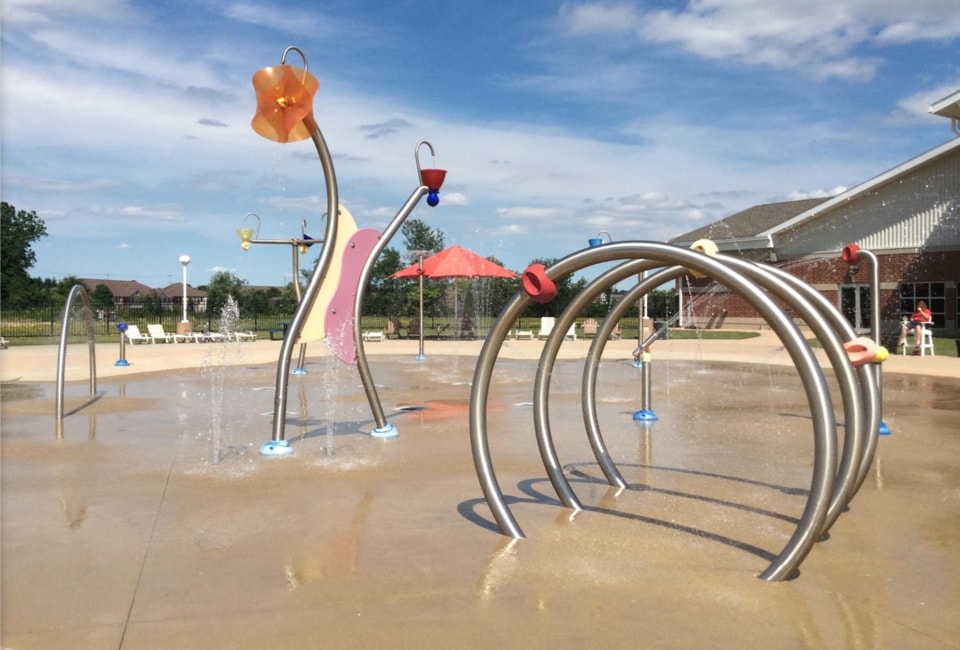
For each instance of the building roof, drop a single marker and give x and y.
(175, 290)
(948, 107)
(120, 288)
(750, 222)
(756, 227)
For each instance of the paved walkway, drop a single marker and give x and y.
(39, 362)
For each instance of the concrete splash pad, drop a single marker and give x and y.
(155, 523)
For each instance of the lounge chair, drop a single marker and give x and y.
(134, 336)
(240, 337)
(524, 335)
(3, 343)
(546, 326)
(157, 332)
(377, 335)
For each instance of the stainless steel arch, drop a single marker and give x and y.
(76, 290)
(814, 385)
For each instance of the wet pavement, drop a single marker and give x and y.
(155, 522)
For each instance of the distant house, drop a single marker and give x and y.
(133, 295)
(196, 298)
(125, 292)
(909, 217)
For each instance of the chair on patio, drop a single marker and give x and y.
(240, 337)
(157, 332)
(590, 327)
(926, 341)
(134, 336)
(524, 335)
(374, 335)
(546, 326)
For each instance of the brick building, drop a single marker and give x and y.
(909, 217)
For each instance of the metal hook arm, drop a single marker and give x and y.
(257, 217)
(294, 48)
(416, 153)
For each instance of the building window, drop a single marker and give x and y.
(933, 293)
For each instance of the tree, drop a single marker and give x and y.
(222, 284)
(417, 235)
(19, 230)
(102, 297)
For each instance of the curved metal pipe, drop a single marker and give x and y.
(825, 450)
(595, 353)
(366, 377)
(316, 279)
(828, 327)
(875, 414)
(62, 350)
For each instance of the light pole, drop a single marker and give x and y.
(184, 260)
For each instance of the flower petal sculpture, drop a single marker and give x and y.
(284, 101)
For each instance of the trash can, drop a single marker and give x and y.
(660, 327)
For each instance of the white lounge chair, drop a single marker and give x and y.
(374, 335)
(157, 332)
(524, 335)
(546, 326)
(240, 337)
(3, 343)
(134, 336)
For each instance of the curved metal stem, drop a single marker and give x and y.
(313, 287)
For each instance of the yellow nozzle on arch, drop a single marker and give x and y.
(707, 247)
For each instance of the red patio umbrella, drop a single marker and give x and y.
(455, 262)
(451, 263)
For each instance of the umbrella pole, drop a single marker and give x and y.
(421, 356)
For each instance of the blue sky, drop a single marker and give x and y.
(125, 124)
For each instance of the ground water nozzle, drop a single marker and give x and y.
(276, 448)
(538, 285)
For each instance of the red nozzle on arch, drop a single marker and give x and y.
(849, 253)
(538, 286)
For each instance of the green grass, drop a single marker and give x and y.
(708, 335)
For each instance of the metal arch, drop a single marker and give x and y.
(825, 455)
(595, 353)
(542, 388)
(828, 334)
(62, 349)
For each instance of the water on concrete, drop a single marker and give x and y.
(133, 532)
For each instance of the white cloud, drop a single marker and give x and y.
(819, 38)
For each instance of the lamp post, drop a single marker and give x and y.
(184, 260)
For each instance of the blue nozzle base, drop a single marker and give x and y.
(276, 448)
(388, 431)
(645, 415)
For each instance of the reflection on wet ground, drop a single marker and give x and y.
(156, 523)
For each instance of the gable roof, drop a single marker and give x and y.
(120, 288)
(175, 290)
(773, 219)
(750, 222)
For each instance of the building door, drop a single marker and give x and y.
(855, 305)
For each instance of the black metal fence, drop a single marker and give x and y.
(44, 320)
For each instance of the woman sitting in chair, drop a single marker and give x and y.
(917, 320)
